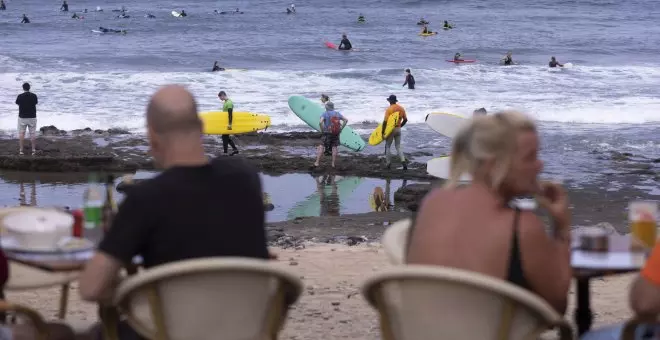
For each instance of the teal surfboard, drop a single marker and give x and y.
(310, 112)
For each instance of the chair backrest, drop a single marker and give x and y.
(210, 298)
(395, 240)
(432, 302)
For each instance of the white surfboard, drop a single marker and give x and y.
(446, 124)
(568, 65)
(439, 167)
(176, 14)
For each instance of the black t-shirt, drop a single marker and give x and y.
(191, 212)
(27, 105)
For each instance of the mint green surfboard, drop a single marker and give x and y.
(310, 112)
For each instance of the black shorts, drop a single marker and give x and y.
(330, 140)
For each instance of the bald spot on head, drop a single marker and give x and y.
(173, 109)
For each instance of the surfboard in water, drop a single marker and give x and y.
(446, 124)
(464, 61)
(176, 14)
(310, 113)
(331, 45)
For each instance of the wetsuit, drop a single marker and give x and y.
(361, 18)
(150, 16)
(75, 16)
(2, 6)
(226, 140)
(183, 14)
(345, 45)
(65, 7)
(410, 81)
(217, 68)
(426, 31)
(554, 63)
(447, 26)
(508, 61)
(25, 20)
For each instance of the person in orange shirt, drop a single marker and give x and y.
(396, 133)
(644, 301)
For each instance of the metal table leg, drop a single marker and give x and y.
(583, 315)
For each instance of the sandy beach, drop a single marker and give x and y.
(332, 304)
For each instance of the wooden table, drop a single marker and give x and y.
(589, 264)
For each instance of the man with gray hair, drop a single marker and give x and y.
(27, 117)
(331, 124)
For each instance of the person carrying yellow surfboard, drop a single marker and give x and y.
(395, 136)
(228, 107)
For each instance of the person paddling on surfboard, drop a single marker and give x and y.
(361, 18)
(554, 63)
(508, 59)
(228, 107)
(458, 57)
(183, 13)
(426, 30)
(395, 135)
(345, 44)
(216, 67)
(331, 124)
(410, 80)
(25, 20)
(447, 26)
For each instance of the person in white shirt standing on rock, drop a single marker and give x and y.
(27, 117)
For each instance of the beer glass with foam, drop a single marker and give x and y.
(643, 216)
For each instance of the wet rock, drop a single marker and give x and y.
(620, 156)
(411, 195)
(118, 131)
(51, 130)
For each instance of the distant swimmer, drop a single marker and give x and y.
(65, 7)
(289, 11)
(479, 112)
(85, 10)
(216, 67)
(150, 16)
(25, 20)
(426, 30)
(410, 80)
(447, 26)
(345, 44)
(508, 59)
(76, 16)
(422, 21)
(123, 16)
(2, 5)
(183, 13)
(292, 8)
(361, 18)
(554, 63)
(458, 57)
(109, 30)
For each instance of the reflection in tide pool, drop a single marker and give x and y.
(292, 195)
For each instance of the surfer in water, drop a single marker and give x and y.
(109, 30)
(291, 9)
(25, 20)
(2, 5)
(458, 57)
(183, 13)
(65, 7)
(361, 18)
(410, 80)
(324, 98)
(447, 26)
(75, 16)
(345, 44)
(426, 29)
(479, 112)
(216, 67)
(422, 21)
(331, 124)
(150, 16)
(508, 59)
(228, 107)
(554, 63)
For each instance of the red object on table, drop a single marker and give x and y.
(78, 218)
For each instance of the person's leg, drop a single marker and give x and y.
(233, 146)
(388, 145)
(225, 142)
(32, 126)
(21, 135)
(399, 151)
(319, 154)
(334, 155)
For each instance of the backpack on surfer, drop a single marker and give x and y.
(331, 124)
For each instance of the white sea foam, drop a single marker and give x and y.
(584, 94)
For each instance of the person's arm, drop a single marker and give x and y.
(230, 112)
(18, 100)
(124, 240)
(404, 117)
(406, 82)
(645, 292)
(36, 100)
(344, 121)
(321, 123)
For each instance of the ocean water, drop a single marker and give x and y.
(608, 100)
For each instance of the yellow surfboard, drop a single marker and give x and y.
(215, 122)
(377, 136)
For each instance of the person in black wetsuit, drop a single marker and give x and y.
(345, 44)
(25, 20)
(65, 7)
(554, 63)
(183, 13)
(422, 21)
(75, 16)
(216, 67)
(150, 16)
(447, 26)
(458, 57)
(2, 5)
(426, 30)
(508, 59)
(410, 80)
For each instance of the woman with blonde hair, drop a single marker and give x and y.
(473, 228)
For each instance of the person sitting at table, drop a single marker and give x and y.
(644, 301)
(185, 211)
(473, 228)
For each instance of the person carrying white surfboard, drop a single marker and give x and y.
(331, 124)
(395, 136)
(228, 107)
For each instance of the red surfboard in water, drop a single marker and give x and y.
(461, 61)
(331, 45)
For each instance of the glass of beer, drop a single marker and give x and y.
(643, 216)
